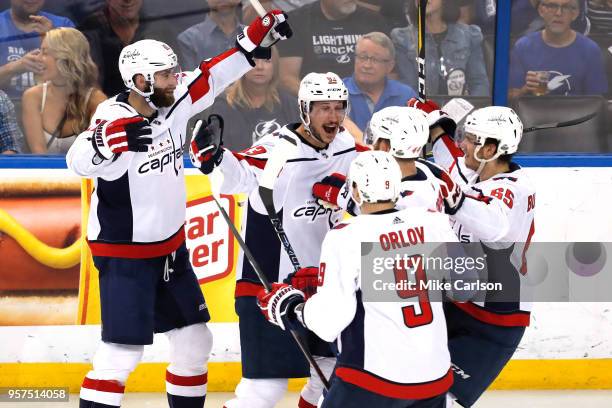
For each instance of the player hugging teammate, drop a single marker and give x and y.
(488, 199)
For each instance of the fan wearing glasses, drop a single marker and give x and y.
(370, 89)
(554, 61)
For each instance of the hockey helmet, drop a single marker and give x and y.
(376, 175)
(145, 57)
(494, 122)
(320, 87)
(406, 129)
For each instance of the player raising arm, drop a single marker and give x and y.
(133, 151)
(497, 209)
(323, 146)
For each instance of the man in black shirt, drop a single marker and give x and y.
(113, 27)
(325, 39)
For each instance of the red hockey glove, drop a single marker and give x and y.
(435, 116)
(332, 191)
(278, 305)
(451, 192)
(264, 31)
(306, 280)
(121, 135)
(205, 149)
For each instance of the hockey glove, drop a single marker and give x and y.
(306, 280)
(332, 191)
(278, 305)
(435, 116)
(451, 192)
(121, 135)
(264, 32)
(205, 149)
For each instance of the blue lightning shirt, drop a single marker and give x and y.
(577, 69)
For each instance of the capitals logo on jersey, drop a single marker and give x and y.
(162, 155)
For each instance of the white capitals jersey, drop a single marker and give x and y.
(499, 212)
(396, 348)
(138, 203)
(304, 220)
(421, 189)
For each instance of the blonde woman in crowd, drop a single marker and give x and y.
(255, 105)
(61, 106)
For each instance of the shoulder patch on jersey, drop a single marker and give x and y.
(253, 150)
(258, 162)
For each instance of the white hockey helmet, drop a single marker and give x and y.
(376, 175)
(495, 122)
(320, 87)
(145, 57)
(406, 129)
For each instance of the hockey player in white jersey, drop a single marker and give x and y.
(403, 131)
(496, 208)
(392, 354)
(323, 146)
(133, 150)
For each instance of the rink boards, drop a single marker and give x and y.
(567, 345)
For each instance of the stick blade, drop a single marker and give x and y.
(572, 122)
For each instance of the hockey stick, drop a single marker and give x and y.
(572, 122)
(281, 153)
(421, 49)
(216, 179)
(258, 7)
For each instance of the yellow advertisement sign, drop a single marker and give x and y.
(212, 248)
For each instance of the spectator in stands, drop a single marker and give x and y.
(60, 108)
(10, 134)
(254, 106)
(324, 39)
(75, 10)
(600, 15)
(248, 13)
(212, 36)
(525, 18)
(370, 89)
(455, 63)
(557, 60)
(21, 28)
(393, 11)
(118, 24)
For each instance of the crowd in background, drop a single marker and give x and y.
(58, 58)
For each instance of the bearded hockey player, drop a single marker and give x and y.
(133, 152)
